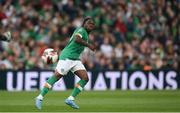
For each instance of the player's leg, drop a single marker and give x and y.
(62, 68)
(82, 74)
(6, 36)
(49, 83)
(80, 71)
(47, 86)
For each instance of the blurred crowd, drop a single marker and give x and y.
(129, 34)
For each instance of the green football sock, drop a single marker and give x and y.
(48, 85)
(78, 88)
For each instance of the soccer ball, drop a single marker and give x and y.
(50, 56)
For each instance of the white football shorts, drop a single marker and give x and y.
(64, 66)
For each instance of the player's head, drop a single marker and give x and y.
(88, 24)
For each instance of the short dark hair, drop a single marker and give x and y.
(86, 19)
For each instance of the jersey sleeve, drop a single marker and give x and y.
(80, 32)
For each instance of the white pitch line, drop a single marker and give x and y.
(90, 112)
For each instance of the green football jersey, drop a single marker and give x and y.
(73, 50)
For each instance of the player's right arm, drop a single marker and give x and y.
(78, 39)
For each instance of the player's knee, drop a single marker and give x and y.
(58, 75)
(86, 78)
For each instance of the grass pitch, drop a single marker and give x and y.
(94, 101)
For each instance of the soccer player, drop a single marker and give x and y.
(5, 37)
(69, 61)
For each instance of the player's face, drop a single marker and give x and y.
(90, 25)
